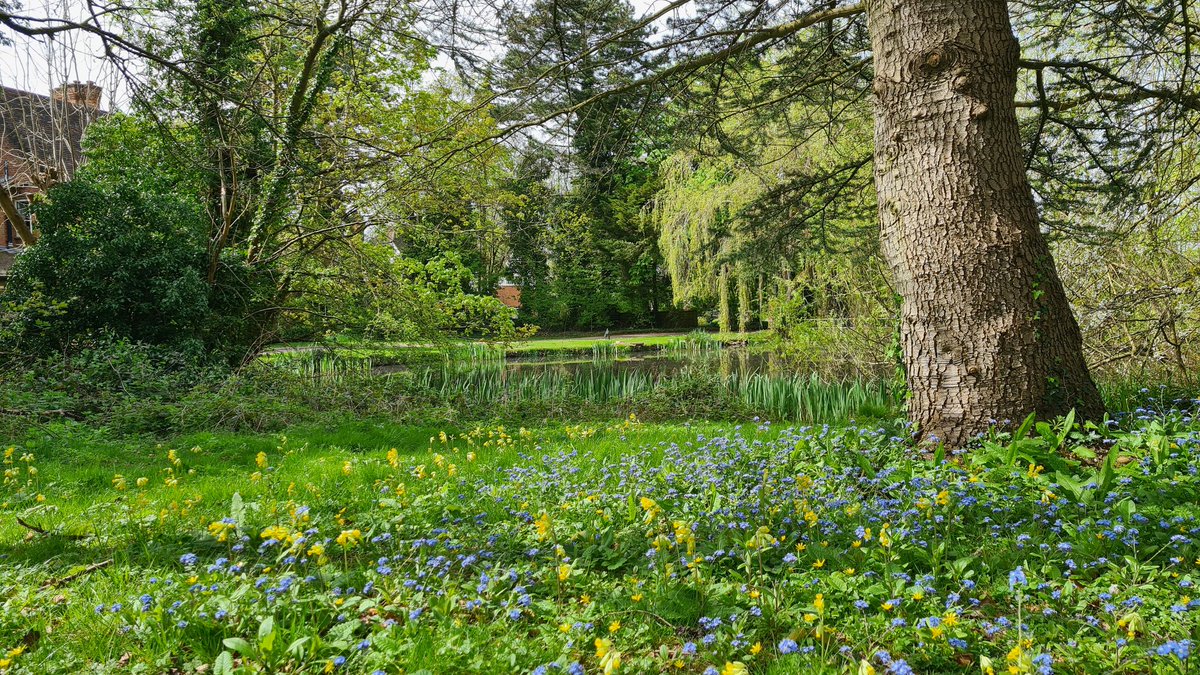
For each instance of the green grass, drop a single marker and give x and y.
(557, 521)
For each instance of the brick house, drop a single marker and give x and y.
(39, 146)
(509, 294)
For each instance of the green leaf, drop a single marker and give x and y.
(266, 627)
(865, 464)
(237, 510)
(1108, 472)
(1067, 425)
(1023, 430)
(224, 664)
(240, 646)
(297, 647)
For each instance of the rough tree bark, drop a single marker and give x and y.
(986, 328)
(9, 207)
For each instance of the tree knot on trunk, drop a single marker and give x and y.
(937, 60)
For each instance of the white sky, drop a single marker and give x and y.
(38, 65)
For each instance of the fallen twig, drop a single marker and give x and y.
(51, 583)
(45, 533)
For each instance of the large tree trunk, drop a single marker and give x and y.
(987, 331)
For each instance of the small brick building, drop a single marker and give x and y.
(510, 295)
(39, 146)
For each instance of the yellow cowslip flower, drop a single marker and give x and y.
(819, 602)
(349, 538)
(142, 481)
(1014, 654)
(810, 617)
(347, 468)
(943, 498)
(650, 507)
(393, 458)
(611, 662)
(614, 626)
(220, 530)
(865, 668)
(564, 572)
(316, 550)
(277, 532)
(735, 668)
(543, 525)
(885, 538)
(762, 539)
(173, 458)
(756, 648)
(260, 460)
(256, 476)
(118, 482)
(603, 646)
(471, 456)
(810, 517)
(1034, 470)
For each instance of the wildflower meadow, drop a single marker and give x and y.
(621, 548)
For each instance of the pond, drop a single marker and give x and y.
(481, 375)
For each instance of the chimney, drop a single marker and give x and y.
(78, 93)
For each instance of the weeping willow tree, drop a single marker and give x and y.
(773, 219)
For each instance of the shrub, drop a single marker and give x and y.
(114, 262)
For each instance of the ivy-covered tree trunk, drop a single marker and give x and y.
(743, 303)
(724, 305)
(986, 328)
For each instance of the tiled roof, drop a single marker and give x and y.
(36, 126)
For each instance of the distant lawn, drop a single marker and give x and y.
(548, 343)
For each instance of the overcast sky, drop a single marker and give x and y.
(38, 65)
